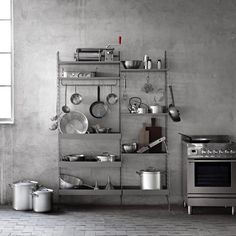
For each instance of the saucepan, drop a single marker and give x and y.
(112, 98)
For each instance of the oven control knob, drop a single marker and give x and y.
(221, 152)
(209, 152)
(226, 152)
(214, 151)
(204, 152)
(232, 151)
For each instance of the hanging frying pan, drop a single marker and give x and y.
(98, 109)
(173, 111)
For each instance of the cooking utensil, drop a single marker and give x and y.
(148, 87)
(134, 104)
(75, 157)
(155, 109)
(155, 132)
(76, 98)
(112, 98)
(173, 111)
(150, 178)
(65, 108)
(96, 187)
(56, 117)
(129, 147)
(103, 158)
(98, 109)
(195, 140)
(125, 95)
(54, 126)
(104, 130)
(42, 200)
(143, 137)
(150, 145)
(109, 186)
(133, 64)
(22, 194)
(73, 123)
(69, 181)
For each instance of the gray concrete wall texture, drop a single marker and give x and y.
(199, 36)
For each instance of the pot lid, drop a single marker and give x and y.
(25, 182)
(43, 191)
(150, 169)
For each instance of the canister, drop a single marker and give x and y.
(150, 179)
(42, 200)
(22, 194)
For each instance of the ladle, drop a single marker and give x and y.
(65, 108)
(76, 98)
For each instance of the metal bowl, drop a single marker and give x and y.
(129, 147)
(73, 123)
(134, 64)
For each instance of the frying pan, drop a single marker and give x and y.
(98, 109)
(173, 111)
(196, 139)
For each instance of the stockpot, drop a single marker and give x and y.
(22, 194)
(150, 179)
(42, 200)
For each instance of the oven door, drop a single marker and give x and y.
(211, 176)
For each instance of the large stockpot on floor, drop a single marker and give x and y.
(42, 200)
(150, 179)
(22, 194)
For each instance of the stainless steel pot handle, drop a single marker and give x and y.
(138, 172)
(35, 194)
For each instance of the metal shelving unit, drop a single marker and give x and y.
(135, 190)
(76, 165)
(106, 81)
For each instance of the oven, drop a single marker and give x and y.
(209, 171)
(211, 176)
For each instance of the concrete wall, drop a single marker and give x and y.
(199, 36)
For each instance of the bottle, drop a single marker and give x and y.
(149, 64)
(145, 60)
(158, 64)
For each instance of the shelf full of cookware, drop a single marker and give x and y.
(103, 67)
(93, 136)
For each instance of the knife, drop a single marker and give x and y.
(150, 145)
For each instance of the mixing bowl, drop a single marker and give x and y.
(130, 147)
(134, 64)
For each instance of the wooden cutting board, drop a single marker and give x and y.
(143, 138)
(155, 132)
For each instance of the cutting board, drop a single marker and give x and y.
(155, 132)
(143, 137)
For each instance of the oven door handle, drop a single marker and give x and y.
(193, 160)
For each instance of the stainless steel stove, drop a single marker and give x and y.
(209, 171)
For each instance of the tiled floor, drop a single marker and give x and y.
(91, 221)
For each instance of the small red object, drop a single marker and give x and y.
(119, 39)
